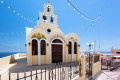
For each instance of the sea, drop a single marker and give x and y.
(102, 52)
(5, 54)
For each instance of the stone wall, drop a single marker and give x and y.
(96, 67)
(5, 61)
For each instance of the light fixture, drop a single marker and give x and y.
(18, 14)
(8, 6)
(82, 15)
(1, 1)
(74, 9)
(78, 12)
(25, 45)
(14, 11)
(29, 43)
(68, 3)
(92, 43)
(87, 44)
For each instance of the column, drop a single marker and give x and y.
(50, 54)
(72, 51)
(63, 53)
(39, 51)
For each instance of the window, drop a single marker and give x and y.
(43, 47)
(34, 47)
(69, 48)
(57, 41)
(118, 52)
(48, 9)
(51, 19)
(44, 17)
(48, 30)
(75, 48)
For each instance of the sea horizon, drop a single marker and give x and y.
(5, 54)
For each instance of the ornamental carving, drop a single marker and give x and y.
(38, 36)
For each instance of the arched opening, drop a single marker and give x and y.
(70, 48)
(43, 47)
(57, 51)
(51, 19)
(34, 47)
(75, 47)
(48, 9)
(56, 41)
(44, 17)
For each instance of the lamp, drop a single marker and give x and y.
(90, 68)
(87, 44)
(29, 43)
(25, 45)
(92, 43)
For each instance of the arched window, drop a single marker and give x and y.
(34, 47)
(48, 9)
(69, 48)
(57, 41)
(75, 48)
(43, 47)
(51, 19)
(44, 17)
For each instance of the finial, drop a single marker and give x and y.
(48, 2)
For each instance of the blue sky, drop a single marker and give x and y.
(68, 20)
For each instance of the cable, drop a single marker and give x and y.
(82, 15)
(9, 7)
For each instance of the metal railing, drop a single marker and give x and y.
(57, 71)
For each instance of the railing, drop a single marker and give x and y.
(59, 71)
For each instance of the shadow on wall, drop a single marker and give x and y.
(7, 60)
(19, 65)
(12, 59)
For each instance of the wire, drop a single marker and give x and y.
(9, 7)
(79, 12)
(10, 33)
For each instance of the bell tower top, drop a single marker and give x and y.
(47, 16)
(48, 2)
(48, 8)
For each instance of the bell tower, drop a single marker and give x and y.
(47, 16)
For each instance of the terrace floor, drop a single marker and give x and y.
(108, 75)
(20, 65)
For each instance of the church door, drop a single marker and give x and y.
(56, 53)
